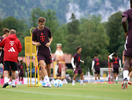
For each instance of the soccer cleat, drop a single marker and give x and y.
(82, 84)
(73, 83)
(130, 83)
(46, 84)
(124, 84)
(116, 81)
(13, 86)
(5, 85)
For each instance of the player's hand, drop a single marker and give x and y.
(82, 61)
(92, 70)
(123, 62)
(38, 44)
(120, 68)
(47, 44)
(126, 34)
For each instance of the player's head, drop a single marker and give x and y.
(12, 31)
(95, 55)
(57, 61)
(21, 61)
(79, 49)
(6, 31)
(131, 3)
(115, 55)
(41, 22)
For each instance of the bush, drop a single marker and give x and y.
(70, 72)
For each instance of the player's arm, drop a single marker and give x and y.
(81, 61)
(93, 62)
(34, 38)
(2, 43)
(19, 46)
(124, 24)
(50, 41)
(72, 62)
(120, 63)
(110, 56)
(123, 58)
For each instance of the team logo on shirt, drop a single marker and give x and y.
(42, 37)
(11, 50)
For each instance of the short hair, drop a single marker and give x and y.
(12, 31)
(6, 30)
(41, 19)
(95, 55)
(78, 48)
(114, 55)
(131, 1)
(21, 60)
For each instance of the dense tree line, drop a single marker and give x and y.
(94, 36)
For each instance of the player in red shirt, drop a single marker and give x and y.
(12, 47)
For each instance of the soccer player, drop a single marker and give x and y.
(127, 17)
(116, 63)
(42, 38)
(75, 61)
(12, 46)
(5, 34)
(21, 71)
(96, 66)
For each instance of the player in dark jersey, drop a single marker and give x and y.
(5, 34)
(42, 38)
(76, 59)
(116, 63)
(96, 67)
(127, 17)
(21, 71)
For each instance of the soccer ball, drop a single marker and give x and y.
(56, 83)
(60, 83)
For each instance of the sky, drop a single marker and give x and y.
(105, 10)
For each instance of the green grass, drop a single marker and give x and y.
(90, 91)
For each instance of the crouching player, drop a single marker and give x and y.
(76, 59)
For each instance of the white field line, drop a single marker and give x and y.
(67, 95)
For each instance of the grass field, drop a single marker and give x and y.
(90, 91)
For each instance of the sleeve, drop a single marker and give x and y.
(72, 62)
(2, 43)
(34, 36)
(19, 46)
(93, 62)
(125, 14)
(49, 35)
(120, 63)
(110, 56)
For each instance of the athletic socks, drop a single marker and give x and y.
(73, 81)
(46, 79)
(81, 81)
(6, 79)
(116, 78)
(13, 82)
(125, 74)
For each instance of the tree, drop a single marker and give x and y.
(115, 32)
(21, 29)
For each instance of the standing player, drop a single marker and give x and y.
(5, 34)
(116, 63)
(127, 16)
(76, 59)
(12, 46)
(42, 38)
(96, 66)
(21, 71)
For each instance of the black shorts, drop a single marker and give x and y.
(97, 72)
(116, 70)
(10, 63)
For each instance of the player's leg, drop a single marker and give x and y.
(14, 69)
(98, 77)
(48, 69)
(81, 77)
(6, 74)
(95, 77)
(126, 72)
(44, 73)
(74, 78)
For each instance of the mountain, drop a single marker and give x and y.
(21, 9)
